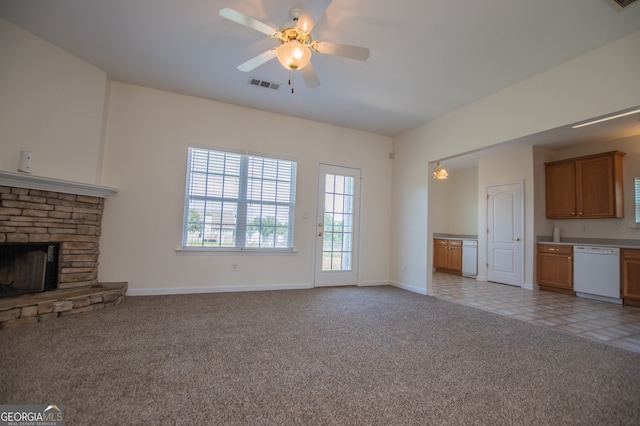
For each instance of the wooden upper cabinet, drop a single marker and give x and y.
(561, 189)
(585, 187)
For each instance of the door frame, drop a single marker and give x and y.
(520, 183)
(320, 218)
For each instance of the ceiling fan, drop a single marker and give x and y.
(296, 44)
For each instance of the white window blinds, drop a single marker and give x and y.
(238, 201)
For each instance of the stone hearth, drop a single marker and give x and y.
(42, 210)
(38, 307)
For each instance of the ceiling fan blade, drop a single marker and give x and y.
(309, 76)
(242, 19)
(312, 13)
(344, 50)
(256, 61)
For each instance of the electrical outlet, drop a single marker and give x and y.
(234, 267)
(404, 268)
(585, 228)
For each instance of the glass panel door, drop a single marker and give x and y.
(338, 208)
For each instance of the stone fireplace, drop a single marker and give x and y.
(49, 225)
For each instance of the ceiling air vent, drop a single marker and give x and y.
(264, 83)
(620, 4)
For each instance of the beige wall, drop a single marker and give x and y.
(577, 90)
(145, 157)
(455, 203)
(52, 104)
(412, 184)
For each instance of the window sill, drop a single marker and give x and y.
(207, 251)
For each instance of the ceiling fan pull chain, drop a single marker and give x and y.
(291, 79)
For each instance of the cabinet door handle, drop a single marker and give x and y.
(554, 249)
(580, 213)
(573, 213)
(569, 257)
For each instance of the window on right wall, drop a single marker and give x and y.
(636, 185)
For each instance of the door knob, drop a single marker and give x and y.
(319, 234)
(517, 238)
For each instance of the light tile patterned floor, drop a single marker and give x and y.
(605, 322)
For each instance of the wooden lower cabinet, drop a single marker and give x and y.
(440, 254)
(631, 276)
(555, 268)
(447, 256)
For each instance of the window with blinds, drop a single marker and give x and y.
(238, 201)
(636, 185)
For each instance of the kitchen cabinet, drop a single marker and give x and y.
(587, 187)
(447, 256)
(631, 276)
(555, 268)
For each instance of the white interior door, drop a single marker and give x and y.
(504, 234)
(337, 224)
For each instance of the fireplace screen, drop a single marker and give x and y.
(28, 268)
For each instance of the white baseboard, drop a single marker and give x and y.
(373, 283)
(222, 289)
(410, 288)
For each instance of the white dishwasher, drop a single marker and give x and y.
(470, 258)
(596, 273)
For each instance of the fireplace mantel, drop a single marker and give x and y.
(22, 180)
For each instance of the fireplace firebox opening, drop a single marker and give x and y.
(28, 268)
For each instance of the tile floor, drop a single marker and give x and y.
(605, 322)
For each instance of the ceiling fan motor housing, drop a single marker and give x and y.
(291, 31)
(288, 34)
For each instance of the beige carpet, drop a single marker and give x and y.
(356, 356)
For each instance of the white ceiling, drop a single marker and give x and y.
(427, 57)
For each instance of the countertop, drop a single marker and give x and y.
(592, 242)
(455, 237)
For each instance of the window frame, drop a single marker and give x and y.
(244, 199)
(636, 192)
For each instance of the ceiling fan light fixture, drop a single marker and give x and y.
(293, 55)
